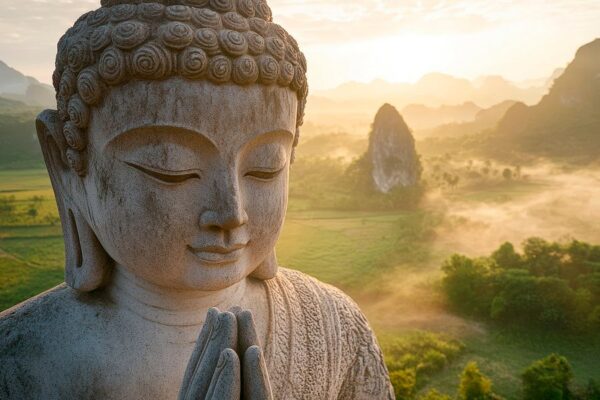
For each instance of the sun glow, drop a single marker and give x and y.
(364, 40)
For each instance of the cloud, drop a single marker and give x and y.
(332, 32)
(333, 21)
(30, 29)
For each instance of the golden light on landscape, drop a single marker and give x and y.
(397, 41)
(438, 163)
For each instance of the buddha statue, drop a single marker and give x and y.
(169, 154)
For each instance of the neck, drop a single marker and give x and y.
(167, 306)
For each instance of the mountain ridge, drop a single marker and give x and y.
(16, 86)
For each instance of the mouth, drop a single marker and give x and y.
(219, 255)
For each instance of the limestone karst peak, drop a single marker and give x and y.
(392, 152)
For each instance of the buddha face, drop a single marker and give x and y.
(187, 180)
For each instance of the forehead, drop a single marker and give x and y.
(225, 114)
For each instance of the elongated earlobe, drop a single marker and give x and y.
(268, 268)
(87, 266)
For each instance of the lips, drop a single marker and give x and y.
(218, 255)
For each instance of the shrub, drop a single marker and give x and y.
(433, 361)
(548, 379)
(466, 285)
(434, 395)
(413, 358)
(404, 383)
(473, 384)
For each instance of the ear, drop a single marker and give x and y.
(87, 265)
(268, 268)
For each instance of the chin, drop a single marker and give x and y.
(213, 277)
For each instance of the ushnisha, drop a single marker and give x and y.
(169, 155)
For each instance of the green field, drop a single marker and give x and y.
(388, 261)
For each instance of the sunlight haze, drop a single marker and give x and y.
(397, 41)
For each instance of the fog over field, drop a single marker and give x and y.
(565, 205)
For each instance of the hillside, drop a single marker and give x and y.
(16, 86)
(565, 124)
(485, 119)
(19, 146)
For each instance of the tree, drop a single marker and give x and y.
(506, 257)
(548, 379)
(473, 384)
(542, 258)
(507, 174)
(465, 284)
(404, 382)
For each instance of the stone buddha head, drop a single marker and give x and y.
(170, 149)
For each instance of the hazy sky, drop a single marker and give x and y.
(362, 40)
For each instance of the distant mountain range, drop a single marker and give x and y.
(566, 122)
(436, 89)
(484, 119)
(21, 99)
(563, 125)
(16, 86)
(434, 100)
(421, 117)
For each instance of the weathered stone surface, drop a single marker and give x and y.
(172, 191)
(392, 152)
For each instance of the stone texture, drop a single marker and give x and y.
(172, 191)
(392, 152)
(69, 345)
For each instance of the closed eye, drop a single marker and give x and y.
(263, 175)
(175, 177)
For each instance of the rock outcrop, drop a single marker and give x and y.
(392, 152)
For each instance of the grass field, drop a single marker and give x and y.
(388, 261)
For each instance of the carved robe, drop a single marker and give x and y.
(319, 344)
(61, 345)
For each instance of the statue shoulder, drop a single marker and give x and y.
(36, 337)
(28, 315)
(39, 311)
(331, 300)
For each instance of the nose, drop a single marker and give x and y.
(227, 209)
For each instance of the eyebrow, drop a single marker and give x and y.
(138, 130)
(142, 128)
(275, 132)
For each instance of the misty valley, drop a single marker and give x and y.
(461, 216)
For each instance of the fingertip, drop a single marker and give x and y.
(228, 318)
(253, 353)
(228, 357)
(246, 316)
(228, 329)
(212, 313)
